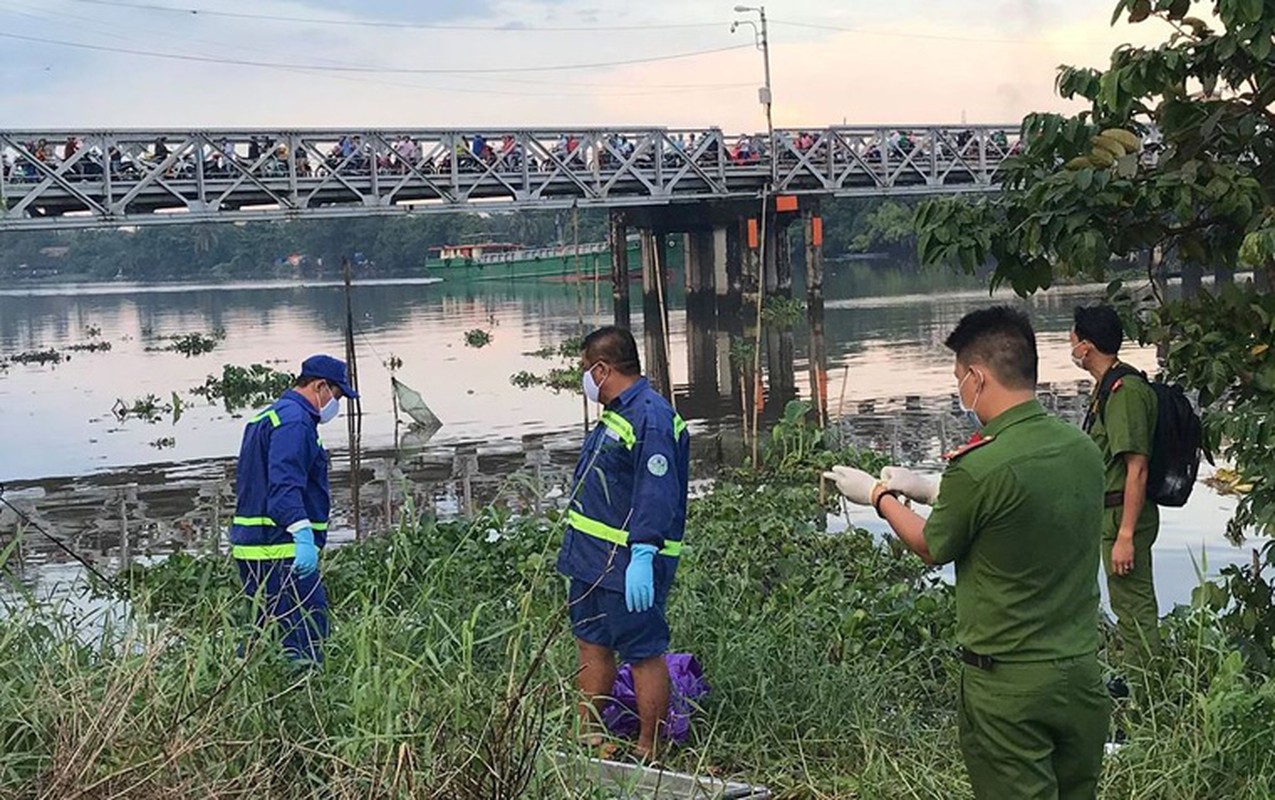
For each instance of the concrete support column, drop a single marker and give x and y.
(700, 267)
(701, 361)
(618, 241)
(782, 260)
(1223, 275)
(654, 316)
(750, 251)
(781, 367)
(813, 224)
(730, 290)
(721, 278)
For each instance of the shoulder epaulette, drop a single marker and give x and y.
(976, 441)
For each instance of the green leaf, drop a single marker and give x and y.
(1261, 47)
(1140, 10)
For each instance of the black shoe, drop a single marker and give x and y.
(1117, 688)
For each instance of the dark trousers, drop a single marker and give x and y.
(298, 605)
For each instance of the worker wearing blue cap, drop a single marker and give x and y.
(283, 501)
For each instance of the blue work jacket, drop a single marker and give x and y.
(282, 480)
(629, 488)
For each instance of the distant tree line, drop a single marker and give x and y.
(391, 247)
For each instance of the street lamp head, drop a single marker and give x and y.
(734, 26)
(743, 9)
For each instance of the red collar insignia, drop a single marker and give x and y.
(976, 441)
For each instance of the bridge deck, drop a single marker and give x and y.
(61, 179)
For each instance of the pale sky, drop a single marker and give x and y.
(904, 61)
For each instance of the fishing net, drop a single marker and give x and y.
(413, 405)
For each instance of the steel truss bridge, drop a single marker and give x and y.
(77, 179)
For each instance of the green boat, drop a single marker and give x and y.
(500, 261)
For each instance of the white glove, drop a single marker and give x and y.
(912, 485)
(855, 484)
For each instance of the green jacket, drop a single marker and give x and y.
(1020, 512)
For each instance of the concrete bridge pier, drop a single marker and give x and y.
(618, 241)
(812, 224)
(655, 302)
(702, 357)
(780, 352)
(778, 258)
(702, 257)
(730, 276)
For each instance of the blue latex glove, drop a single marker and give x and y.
(306, 561)
(639, 578)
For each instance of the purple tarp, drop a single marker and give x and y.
(688, 687)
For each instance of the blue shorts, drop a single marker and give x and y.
(599, 616)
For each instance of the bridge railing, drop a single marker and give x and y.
(71, 178)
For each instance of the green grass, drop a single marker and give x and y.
(450, 672)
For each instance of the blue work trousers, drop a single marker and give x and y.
(297, 604)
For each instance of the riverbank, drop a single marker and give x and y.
(449, 672)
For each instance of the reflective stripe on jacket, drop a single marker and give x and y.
(281, 479)
(629, 488)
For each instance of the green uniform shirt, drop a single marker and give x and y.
(1127, 425)
(1021, 515)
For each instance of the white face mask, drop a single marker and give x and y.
(330, 409)
(1079, 361)
(592, 389)
(969, 411)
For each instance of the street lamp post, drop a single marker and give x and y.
(764, 94)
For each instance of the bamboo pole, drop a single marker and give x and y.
(761, 294)
(354, 419)
(659, 295)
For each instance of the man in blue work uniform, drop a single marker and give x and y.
(624, 531)
(281, 514)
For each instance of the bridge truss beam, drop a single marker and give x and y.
(76, 179)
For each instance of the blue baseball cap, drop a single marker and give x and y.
(329, 369)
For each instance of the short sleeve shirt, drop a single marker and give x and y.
(1020, 514)
(1127, 425)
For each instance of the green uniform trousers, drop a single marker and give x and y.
(1034, 730)
(1133, 595)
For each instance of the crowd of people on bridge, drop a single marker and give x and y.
(88, 158)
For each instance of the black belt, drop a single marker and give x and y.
(1113, 500)
(984, 663)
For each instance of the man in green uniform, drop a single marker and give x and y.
(1121, 421)
(1019, 511)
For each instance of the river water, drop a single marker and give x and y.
(64, 449)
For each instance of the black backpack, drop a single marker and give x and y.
(1176, 445)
